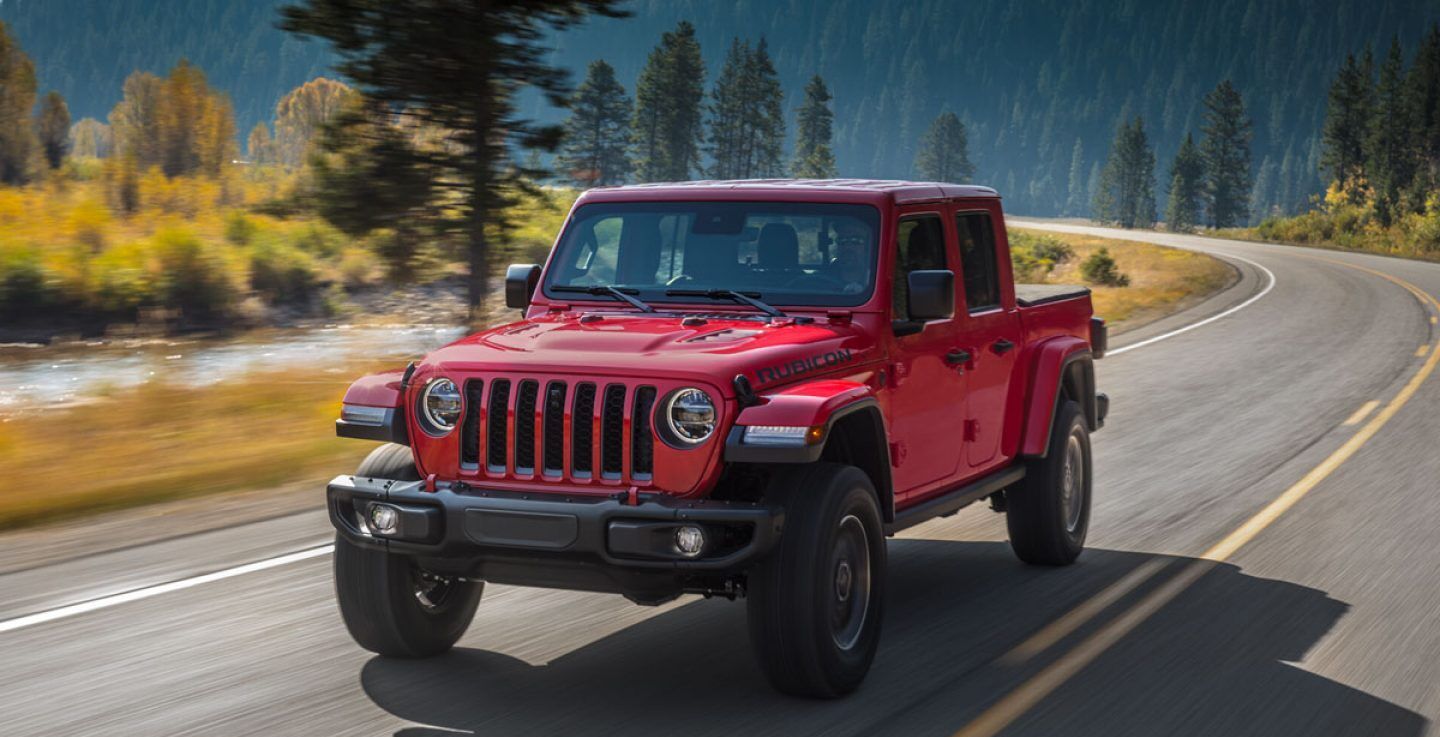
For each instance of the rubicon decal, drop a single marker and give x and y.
(801, 366)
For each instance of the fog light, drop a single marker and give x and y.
(690, 540)
(384, 519)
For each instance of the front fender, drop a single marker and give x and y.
(814, 404)
(372, 410)
(1051, 361)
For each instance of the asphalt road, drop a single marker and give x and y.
(1203, 605)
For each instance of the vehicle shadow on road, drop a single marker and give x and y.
(1216, 660)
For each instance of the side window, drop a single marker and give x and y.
(977, 260)
(919, 246)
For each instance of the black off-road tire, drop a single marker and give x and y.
(390, 606)
(1046, 519)
(804, 630)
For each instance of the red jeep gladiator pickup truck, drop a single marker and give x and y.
(735, 389)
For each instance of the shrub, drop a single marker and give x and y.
(239, 229)
(281, 272)
(121, 279)
(1100, 269)
(195, 275)
(22, 280)
(1034, 256)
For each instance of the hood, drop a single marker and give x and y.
(713, 347)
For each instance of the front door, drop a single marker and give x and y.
(927, 391)
(990, 333)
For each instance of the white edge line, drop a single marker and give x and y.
(1270, 285)
(164, 588)
(29, 620)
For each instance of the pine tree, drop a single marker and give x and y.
(1389, 145)
(944, 154)
(747, 125)
(1126, 196)
(1076, 195)
(52, 127)
(667, 126)
(1423, 91)
(455, 66)
(1187, 188)
(1347, 123)
(17, 97)
(813, 130)
(597, 135)
(1226, 149)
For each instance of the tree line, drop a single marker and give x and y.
(1209, 182)
(674, 130)
(1382, 131)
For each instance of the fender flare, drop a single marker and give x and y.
(371, 409)
(1054, 361)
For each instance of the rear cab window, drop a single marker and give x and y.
(978, 262)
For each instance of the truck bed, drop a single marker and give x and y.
(1030, 295)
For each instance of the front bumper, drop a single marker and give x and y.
(593, 543)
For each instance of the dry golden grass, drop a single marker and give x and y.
(163, 442)
(1162, 280)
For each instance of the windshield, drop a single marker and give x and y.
(786, 253)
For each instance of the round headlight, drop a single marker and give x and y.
(690, 416)
(440, 406)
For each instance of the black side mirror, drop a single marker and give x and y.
(520, 281)
(932, 295)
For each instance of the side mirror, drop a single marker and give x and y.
(932, 295)
(520, 281)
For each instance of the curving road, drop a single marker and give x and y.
(1264, 559)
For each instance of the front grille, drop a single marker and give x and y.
(559, 431)
(582, 433)
(495, 421)
(612, 431)
(525, 426)
(470, 430)
(642, 441)
(555, 428)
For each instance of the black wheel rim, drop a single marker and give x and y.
(849, 582)
(1072, 483)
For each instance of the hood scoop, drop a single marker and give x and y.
(728, 335)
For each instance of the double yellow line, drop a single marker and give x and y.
(1014, 704)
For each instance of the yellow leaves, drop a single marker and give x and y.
(177, 123)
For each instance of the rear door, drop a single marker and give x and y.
(989, 331)
(927, 393)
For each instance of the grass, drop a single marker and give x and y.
(162, 442)
(1162, 280)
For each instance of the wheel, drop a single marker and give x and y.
(390, 605)
(1049, 513)
(815, 602)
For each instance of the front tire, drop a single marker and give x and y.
(390, 605)
(1048, 514)
(815, 603)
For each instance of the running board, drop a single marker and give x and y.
(952, 501)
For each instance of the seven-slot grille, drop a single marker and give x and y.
(558, 429)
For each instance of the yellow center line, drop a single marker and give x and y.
(1010, 707)
(1422, 350)
(1362, 413)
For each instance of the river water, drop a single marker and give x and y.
(38, 377)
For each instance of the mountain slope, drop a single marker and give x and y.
(1029, 79)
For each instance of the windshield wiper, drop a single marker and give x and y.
(621, 293)
(751, 298)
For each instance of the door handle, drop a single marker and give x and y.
(1002, 346)
(958, 356)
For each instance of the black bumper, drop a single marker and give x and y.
(580, 542)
